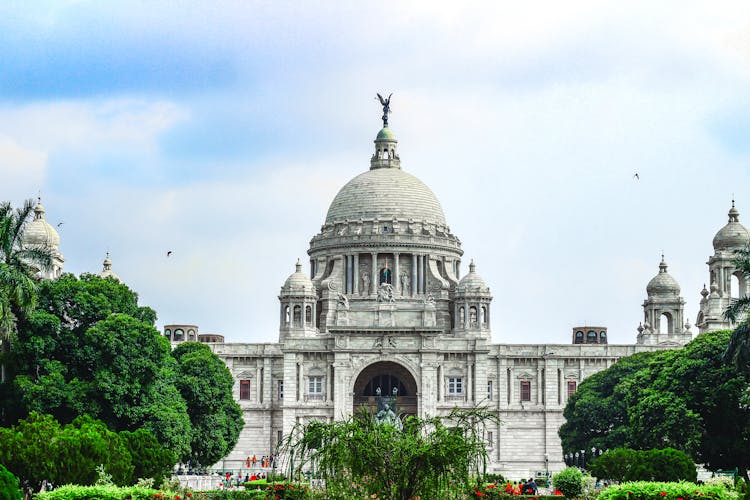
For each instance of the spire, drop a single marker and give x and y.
(298, 266)
(107, 269)
(107, 264)
(386, 154)
(472, 266)
(734, 214)
(39, 209)
(662, 265)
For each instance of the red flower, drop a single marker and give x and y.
(679, 498)
(663, 493)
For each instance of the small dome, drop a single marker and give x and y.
(107, 271)
(663, 283)
(386, 134)
(472, 282)
(298, 281)
(39, 232)
(733, 235)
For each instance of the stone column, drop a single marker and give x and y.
(413, 274)
(301, 381)
(259, 384)
(356, 274)
(440, 382)
(374, 274)
(469, 382)
(396, 276)
(420, 273)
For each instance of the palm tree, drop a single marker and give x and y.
(19, 265)
(738, 350)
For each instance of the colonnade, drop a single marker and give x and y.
(356, 284)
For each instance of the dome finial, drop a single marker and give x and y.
(662, 264)
(734, 214)
(386, 108)
(472, 266)
(298, 265)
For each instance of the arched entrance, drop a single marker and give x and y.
(386, 375)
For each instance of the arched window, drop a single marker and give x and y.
(179, 335)
(665, 323)
(461, 316)
(602, 337)
(191, 335)
(385, 275)
(297, 316)
(473, 316)
(308, 315)
(734, 286)
(168, 333)
(287, 315)
(483, 315)
(579, 337)
(591, 337)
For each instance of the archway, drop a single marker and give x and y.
(386, 375)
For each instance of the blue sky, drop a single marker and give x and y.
(222, 131)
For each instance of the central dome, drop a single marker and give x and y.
(385, 193)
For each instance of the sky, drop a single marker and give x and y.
(221, 131)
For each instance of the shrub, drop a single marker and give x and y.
(623, 464)
(642, 490)
(8, 485)
(569, 482)
(104, 492)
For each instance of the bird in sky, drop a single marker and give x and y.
(636, 176)
(60, 223)
(169, 253)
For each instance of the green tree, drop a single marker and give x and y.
(428, 457)
(90, 349)
(205, 383)
(8, 485)
(596, 415)
(149, 458)
(738, 350)
(688, 398)
(28, 450)
(18, 267)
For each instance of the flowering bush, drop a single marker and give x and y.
(642, 490)
(569, 481)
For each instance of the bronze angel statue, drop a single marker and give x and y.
(386, 107)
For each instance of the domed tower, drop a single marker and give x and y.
(40, 234)
(107, 271)
(472, 304)
(386, 249)
(663, 311)
(722, 274)
(298, 300)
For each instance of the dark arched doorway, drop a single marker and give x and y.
(386, 375)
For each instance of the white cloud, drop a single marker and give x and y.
(22, 170)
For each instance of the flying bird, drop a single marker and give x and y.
(636, 176)
(60, 223)
(169, 253)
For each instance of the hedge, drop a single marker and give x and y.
(643, 490)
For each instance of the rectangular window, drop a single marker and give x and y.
(571, 388)
(455, 386)
(280, 389)
(244, 389)
(489, 390)
(525, 390)
(315, 387)
(489, 439)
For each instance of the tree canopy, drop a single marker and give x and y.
(688, 399)
(89, 349)
(206, 385)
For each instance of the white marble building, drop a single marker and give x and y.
(385, 305)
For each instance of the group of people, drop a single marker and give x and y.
(522, 487)
(266, 461)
